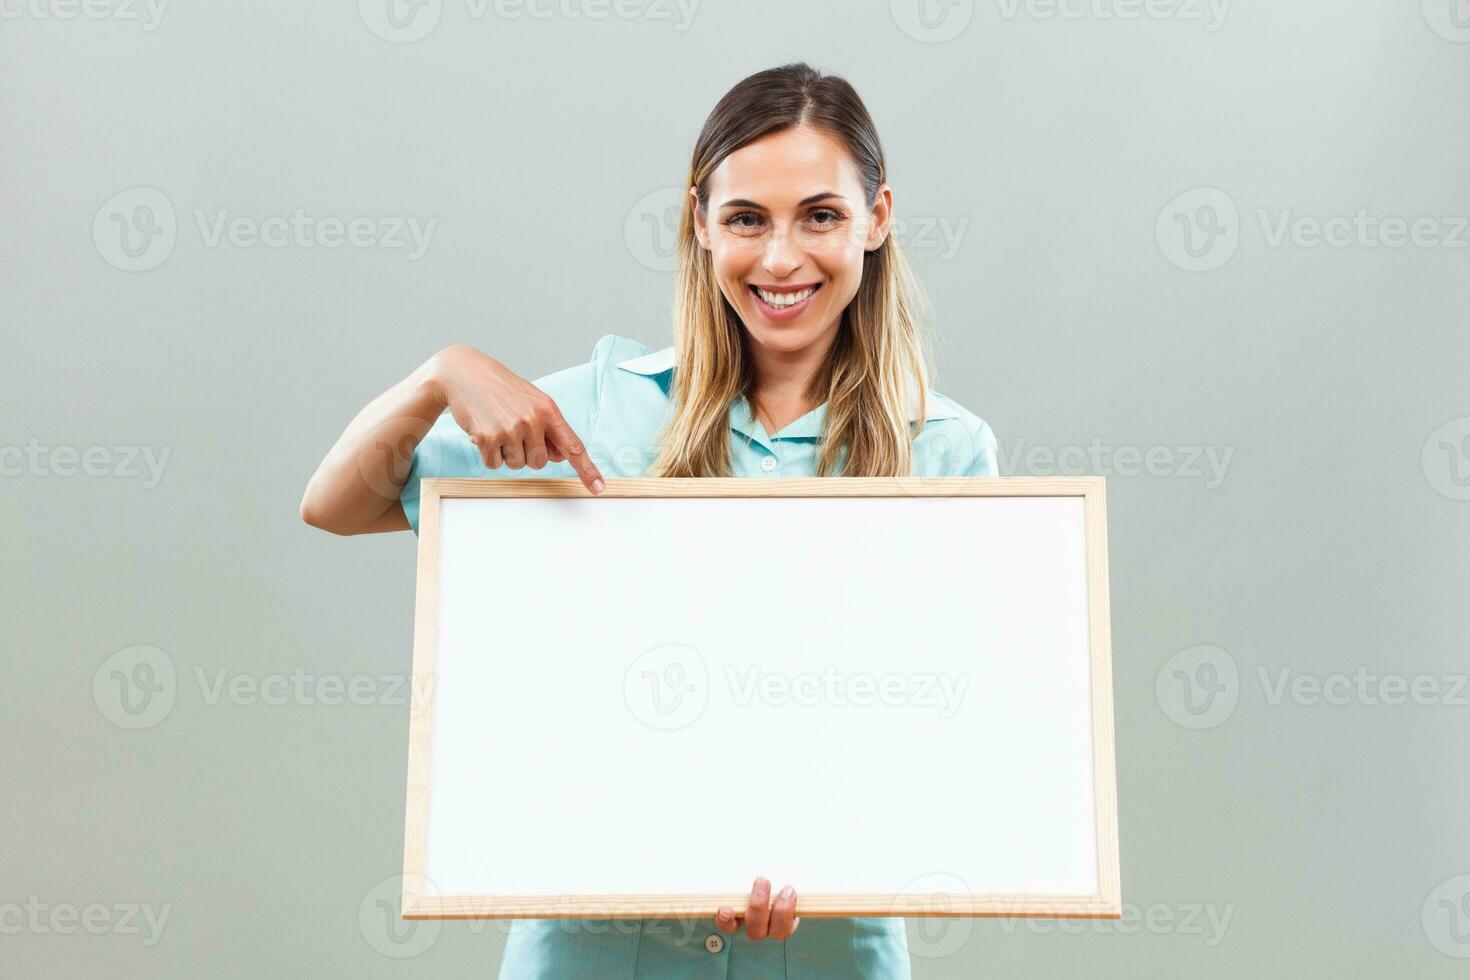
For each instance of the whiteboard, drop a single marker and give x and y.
(909, 678)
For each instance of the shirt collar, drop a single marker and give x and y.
(650, 364)
(809, 426)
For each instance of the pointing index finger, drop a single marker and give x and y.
(576, 453)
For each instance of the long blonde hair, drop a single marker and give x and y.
(876, 372)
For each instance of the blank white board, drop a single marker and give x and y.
(906, 680)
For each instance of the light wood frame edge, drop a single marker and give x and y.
(817, 906)
(417, 903)
(421, 697)
(1104, 760)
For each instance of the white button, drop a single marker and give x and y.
(768, 464)
(713, 943)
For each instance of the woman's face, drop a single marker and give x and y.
(787, 228)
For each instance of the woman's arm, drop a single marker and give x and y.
(357, 487)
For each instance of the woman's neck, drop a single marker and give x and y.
(781, 392)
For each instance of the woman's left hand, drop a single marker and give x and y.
(764, 919)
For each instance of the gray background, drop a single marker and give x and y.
(1333, 543)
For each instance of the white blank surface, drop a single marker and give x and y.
(552, 772)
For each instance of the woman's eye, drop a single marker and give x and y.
(825, 217)
(744, 222)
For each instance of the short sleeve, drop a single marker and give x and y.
(446, 450)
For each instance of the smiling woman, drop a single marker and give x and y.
(789, 279)
(798, 351)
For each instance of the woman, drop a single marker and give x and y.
(797, 352)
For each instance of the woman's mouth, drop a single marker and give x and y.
(785, 302)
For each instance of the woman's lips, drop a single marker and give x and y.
(783, 313)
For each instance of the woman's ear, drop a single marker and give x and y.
(880, 218)
(701, 232)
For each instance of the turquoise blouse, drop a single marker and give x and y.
(617, 403)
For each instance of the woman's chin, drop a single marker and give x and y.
(782, 338)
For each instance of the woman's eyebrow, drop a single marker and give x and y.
(740, 202)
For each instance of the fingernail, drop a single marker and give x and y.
(788, 892)
(597, 486)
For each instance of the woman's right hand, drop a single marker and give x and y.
(511, 421)
(357, 485)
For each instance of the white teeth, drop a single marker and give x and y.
(783, 300)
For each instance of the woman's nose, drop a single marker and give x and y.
(782, 255)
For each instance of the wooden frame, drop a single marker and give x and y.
(1107, 904)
